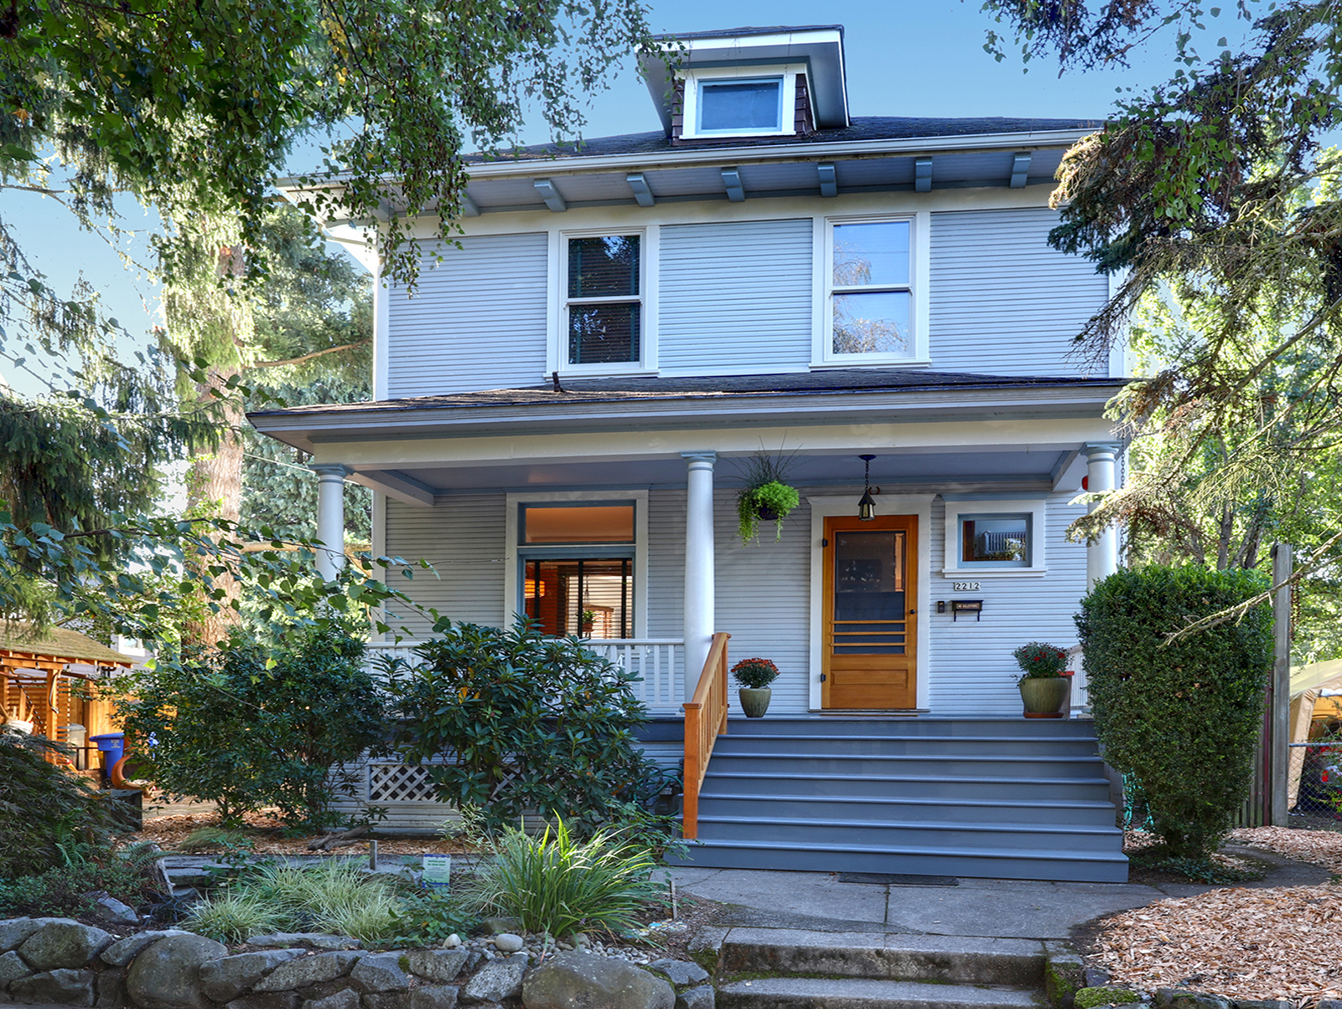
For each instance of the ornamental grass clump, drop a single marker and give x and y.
(1180, 715)
(558, 884)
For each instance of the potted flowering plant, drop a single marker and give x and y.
(1045, 680)
(754, 676)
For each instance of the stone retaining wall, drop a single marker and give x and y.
(63, 962)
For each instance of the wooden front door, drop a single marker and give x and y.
(870, 627)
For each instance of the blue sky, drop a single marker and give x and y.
(904, 58)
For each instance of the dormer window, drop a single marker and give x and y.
(718, 103)
(735, 106)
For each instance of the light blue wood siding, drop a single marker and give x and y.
(463, 538)
(735, 296)
(476, 321)
(666, 563)
(972, 671)
(1003, 302)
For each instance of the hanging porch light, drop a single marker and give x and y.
(866, 505)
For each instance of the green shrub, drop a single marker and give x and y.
(557, 884)
(248, 727)
(1182, 718)
(84, 871)
(44, 811)
(523, 722)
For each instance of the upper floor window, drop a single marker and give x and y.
(741, 106)
(871, 290)
(604, 299)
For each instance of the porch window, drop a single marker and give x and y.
(604, 303)
(871, 291)
(577, 564)
(995, 540)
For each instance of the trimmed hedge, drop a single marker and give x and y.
(1182, 718)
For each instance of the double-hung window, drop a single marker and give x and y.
(870, 292)
(604, 303)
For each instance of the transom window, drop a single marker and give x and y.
(737, 106)
(578, 567)
(871, 290)
(605, 299)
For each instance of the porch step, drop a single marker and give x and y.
(1093, 813)
(858, 993)
(959, 797)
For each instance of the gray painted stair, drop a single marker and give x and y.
(1000, 798)
(860, 993)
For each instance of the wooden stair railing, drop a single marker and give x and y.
(705, 720)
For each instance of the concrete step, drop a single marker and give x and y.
(952, 765)
(923, 725)
(884, 956)
(1078, 812)
(912, 834)
(960, 746)
(1041, 788)
(987, 863)
(854, 993)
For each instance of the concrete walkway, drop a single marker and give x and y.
(974, 907)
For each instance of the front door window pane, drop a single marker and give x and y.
(875, 323)
(869, 604)
(585, 598)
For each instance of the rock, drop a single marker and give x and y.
(15, 930)
(437, 964)
(62, 943)
(473, 960)
(1272, 1003)
(378, 973)
(702, 997)
(12, 968)
(497, 980)
(1088, 998)
(1177, 998)
(680, 972)
(266, 1000)
(113, 910)
(387, 1000)
(507, 942)
(123, 951)
(438, 996)
(308, 940)
(62, 986)
(167, 974)
(308, 970)
(347, 998)
(585, 981)
(1064, 976)
(109, 990)
(452, 941)
(225, 979)
(497, 925)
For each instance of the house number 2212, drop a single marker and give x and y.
(964, 586)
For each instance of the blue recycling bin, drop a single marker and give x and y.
(113, 747)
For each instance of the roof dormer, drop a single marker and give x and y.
(723, 86)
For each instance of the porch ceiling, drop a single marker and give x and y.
(1042, 467)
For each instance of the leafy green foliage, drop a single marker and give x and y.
(557, 884)
(83, 872)
(44, 811)
(1040, 661)
(1180, 715)
(427, 916)
(755, 503)
(251, 726)
(529, 722)
(755, 673)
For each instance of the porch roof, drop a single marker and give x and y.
(836, 396)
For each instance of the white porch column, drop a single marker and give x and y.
(699, 565)
(330, 517)
(1102, 554)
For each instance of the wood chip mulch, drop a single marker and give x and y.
(1242, 943)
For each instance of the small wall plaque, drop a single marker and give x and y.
(974, 606)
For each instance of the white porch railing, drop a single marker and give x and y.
(1080, 697)
(659, 662)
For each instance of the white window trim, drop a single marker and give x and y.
(512, 572)
(920, 255)
(886, 504)
(1036, 508)
(649, 269)
(690, 98)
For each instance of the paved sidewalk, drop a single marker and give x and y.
(975, 907)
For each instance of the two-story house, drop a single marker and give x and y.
(562, 409)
